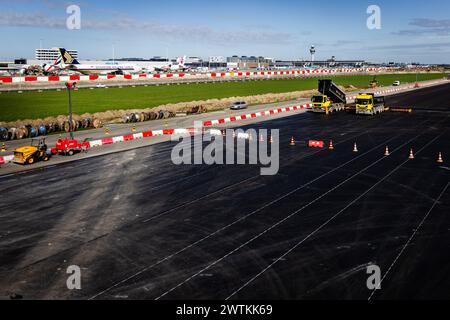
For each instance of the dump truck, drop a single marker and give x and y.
(331, 98)
(368, 104)
(36, 151)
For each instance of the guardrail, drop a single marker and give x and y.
(232, 74)
(6, 159)
(210, 123)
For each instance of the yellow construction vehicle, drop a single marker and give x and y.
(367, 103)
(321, 103)
(331, 98)
(373, 83)
(35, 152)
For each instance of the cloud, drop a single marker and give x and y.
(151, 29)
(52, 4)
(438, 32)
(263, 26)
(426, 27)
(341, 43)
(431, 23)
(17, 19)
(424, 46)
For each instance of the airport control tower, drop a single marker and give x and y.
(312, 50)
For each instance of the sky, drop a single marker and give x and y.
(411, 31)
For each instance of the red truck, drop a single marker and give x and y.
(69, 147)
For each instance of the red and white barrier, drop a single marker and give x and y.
(402, 88)
(141, 135)
(209, 123)
(255, 115)
(233, 74)
(6, 159)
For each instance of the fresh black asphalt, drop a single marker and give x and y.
(141, 227)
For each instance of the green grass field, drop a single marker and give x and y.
(34, 105)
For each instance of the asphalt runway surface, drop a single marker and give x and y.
(141, 227)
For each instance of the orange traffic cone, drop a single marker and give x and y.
(355, 148)
(411, 154)
(292, 143)
(271, 139)
(261, 138)
(331, 145)
(387, 153)
(440, 160)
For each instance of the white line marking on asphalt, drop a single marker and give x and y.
(410, 238)
(240, 219)
(281, 221)
(230, 186)
(198, 199)
(158, 153)
(245, 217)
(332, 218)
(160, 186)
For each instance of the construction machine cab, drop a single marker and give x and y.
(373, 83)
(36, 151)
(368, 103)
(39, 144)
(319, 99)
(364, 100)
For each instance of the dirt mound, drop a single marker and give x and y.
(161, 112)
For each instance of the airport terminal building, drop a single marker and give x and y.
(235, 62)
(51, 54)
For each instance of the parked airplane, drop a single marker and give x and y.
(180, 65)
(66, 62)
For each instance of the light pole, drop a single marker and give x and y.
(70, 86)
